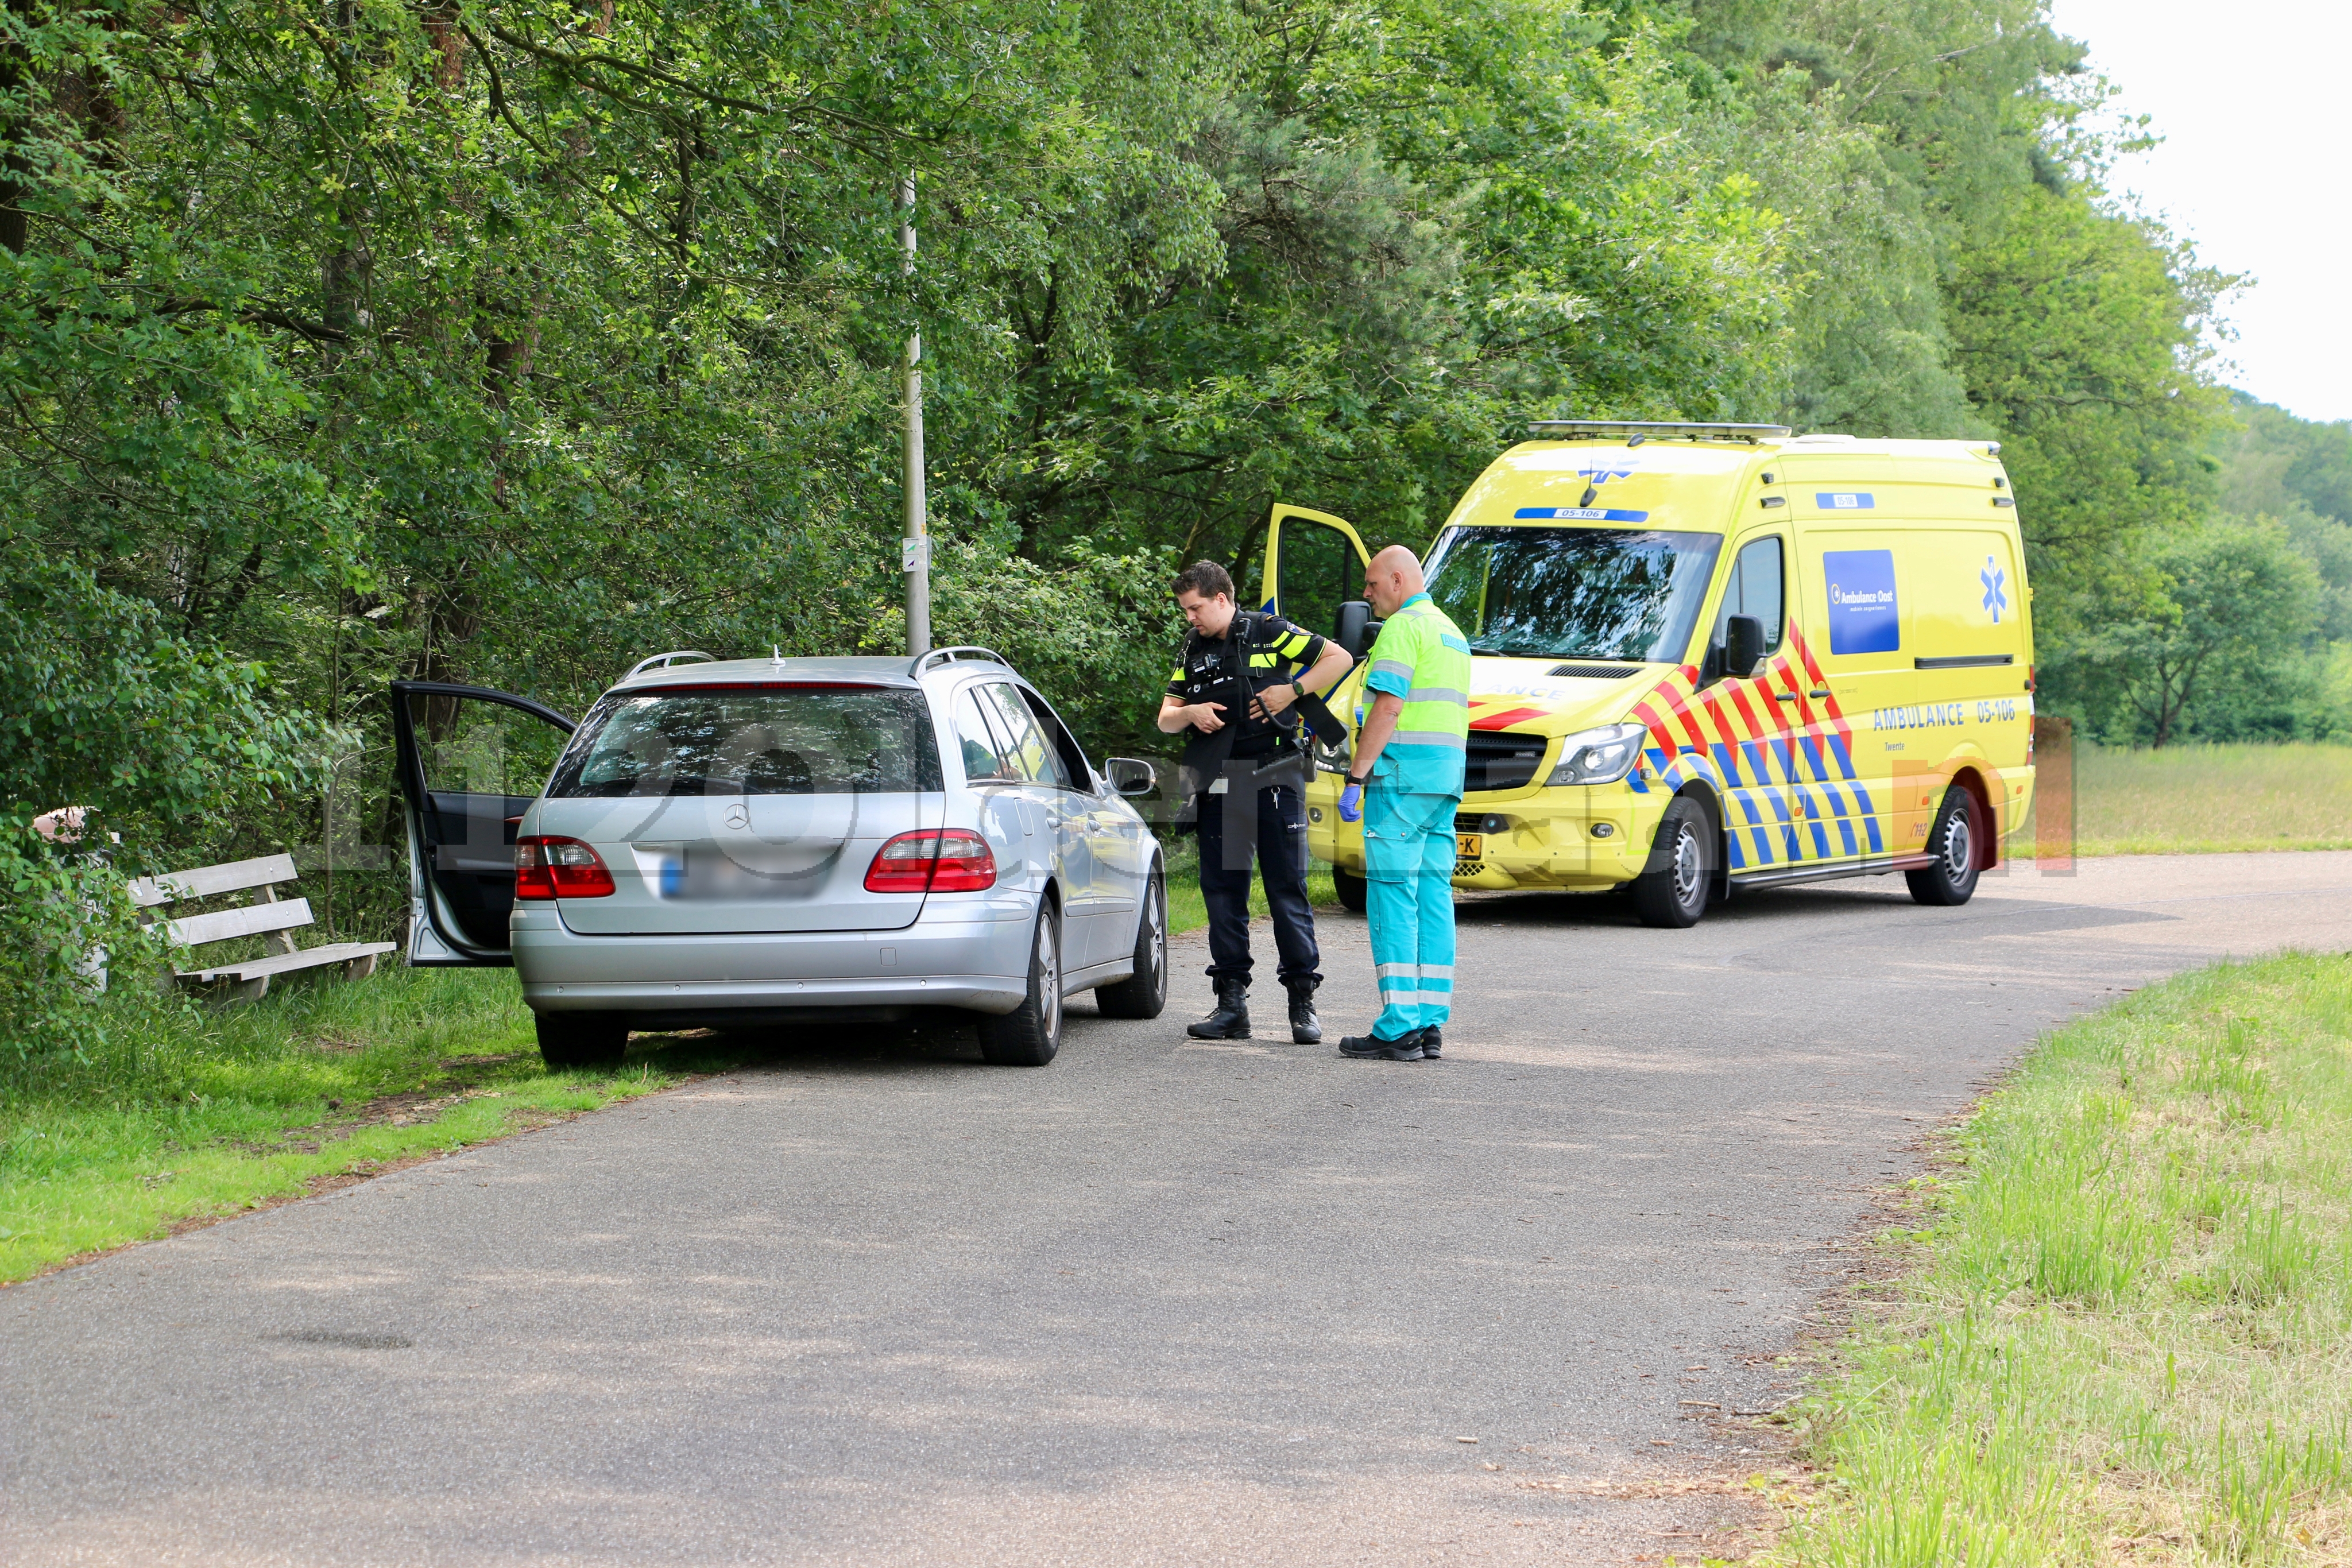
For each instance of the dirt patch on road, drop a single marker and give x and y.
(1754, 1503)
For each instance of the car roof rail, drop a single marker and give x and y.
(1647, 429)
(663, 661)
(924, 660)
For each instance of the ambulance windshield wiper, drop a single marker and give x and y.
(1491, 651)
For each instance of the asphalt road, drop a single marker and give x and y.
(1163, 1301)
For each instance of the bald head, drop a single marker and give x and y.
(1393, 577)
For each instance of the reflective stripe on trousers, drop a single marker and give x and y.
(1409, 901)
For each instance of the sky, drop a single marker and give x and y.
(2251, 99)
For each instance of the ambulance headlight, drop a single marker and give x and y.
(1599, 756)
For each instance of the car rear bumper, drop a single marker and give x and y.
(982, 966)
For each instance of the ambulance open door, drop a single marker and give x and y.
(1314, 563)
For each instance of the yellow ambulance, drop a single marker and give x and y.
(1711, 658)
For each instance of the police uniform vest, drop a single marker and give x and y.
(1259, 649)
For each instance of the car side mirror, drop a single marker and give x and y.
(1743, 646)
(1131, 775)
(1357, 628)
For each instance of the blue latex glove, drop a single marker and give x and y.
(1351, 803)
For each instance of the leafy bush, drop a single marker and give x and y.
(66, 933)
(1096, 634)
(148, 733)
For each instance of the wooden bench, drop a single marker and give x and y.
(269, 916)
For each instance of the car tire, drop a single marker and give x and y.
(1350, 888)
(1952, 878)
(1671, 893)
(1143, 994)
(1031, 1033)
(581, 1040)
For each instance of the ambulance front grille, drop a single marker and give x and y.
(1595, 672)
(1501, 759)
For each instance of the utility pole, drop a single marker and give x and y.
(915, 545)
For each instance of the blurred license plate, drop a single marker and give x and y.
(1469, 846)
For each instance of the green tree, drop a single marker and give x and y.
(2237, 600)
(2102, 422)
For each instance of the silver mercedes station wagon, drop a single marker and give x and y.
(761, 842)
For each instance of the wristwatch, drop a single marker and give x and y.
(1297, 689)
(1358, 783)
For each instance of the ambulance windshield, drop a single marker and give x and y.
(1573, 593)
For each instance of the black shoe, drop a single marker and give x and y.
(1305, 1028)
(1231, 1020)
(1373, 1047)
(1431, 1042)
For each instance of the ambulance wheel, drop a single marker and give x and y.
(1952, 878)
(1351, 889)
(1671, 892)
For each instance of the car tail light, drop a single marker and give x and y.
(558, 868)
(932, 860)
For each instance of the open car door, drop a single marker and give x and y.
(1314, 564)
(470, 761)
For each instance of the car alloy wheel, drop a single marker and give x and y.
(1144, 993)
(1031, 1033)
(1049, 977)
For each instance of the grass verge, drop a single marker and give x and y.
(1187, 911)
(2128, 1334)
(191, 1112)
(2197, 799)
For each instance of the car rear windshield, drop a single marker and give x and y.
(1573, 593)
(764, 740)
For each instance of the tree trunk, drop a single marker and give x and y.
(450, 42)
(342, 281)
(15, 76)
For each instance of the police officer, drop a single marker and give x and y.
(1245, 768)
(1405, 781)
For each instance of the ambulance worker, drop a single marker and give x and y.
(1404, 782)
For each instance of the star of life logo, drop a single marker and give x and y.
(1993, 577)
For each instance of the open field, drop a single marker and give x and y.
(192, 1111)
(2201, 799)
(2124, 1339)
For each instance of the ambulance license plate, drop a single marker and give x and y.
(1469, 846)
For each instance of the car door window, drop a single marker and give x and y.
(1076, 768)
(1757, 588)
(1033, 757)
(986, 758)
(470, 762)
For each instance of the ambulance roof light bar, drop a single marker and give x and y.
(1648, 430)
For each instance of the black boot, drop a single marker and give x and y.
(1373, 1047)
(1305, 1028)
(1432, 1041)
(1231, 1020)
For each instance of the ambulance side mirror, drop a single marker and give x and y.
(1743, 645)
(1357, 628)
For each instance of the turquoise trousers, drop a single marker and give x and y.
(1409, 899)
